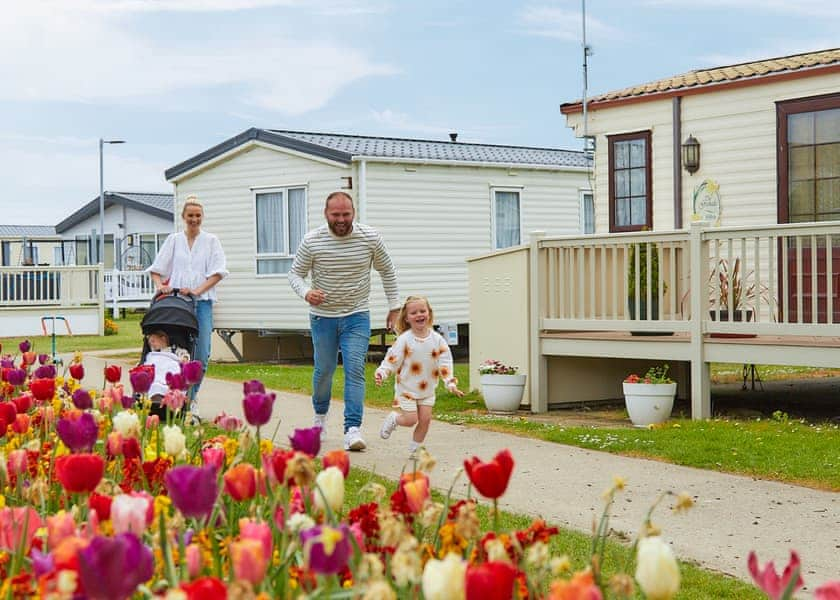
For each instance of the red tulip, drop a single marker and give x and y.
(8, 412)
(100, 504)
(279, 459)
(828, 591)
(770, 582)
(205, 588)
(79, 473)
(337, 458)
(21, 423)
(77, 371)
(490, 581)
(113, 373)
(490, 478)
(42, 389)
(23, 403)
(241, 481)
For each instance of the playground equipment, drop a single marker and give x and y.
(54, 318)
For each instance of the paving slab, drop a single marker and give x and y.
(564, 484)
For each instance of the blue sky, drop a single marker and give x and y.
(174, 77)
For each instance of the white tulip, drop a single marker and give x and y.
(127, 423)
(657, 571)
(445, 579)
(330, 485)
(174, 440)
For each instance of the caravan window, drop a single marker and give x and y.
(631, 201)
(506, 218)
(281, 224)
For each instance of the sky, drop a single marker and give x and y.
(174, 77)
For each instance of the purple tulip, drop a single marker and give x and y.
(193, 490)
(255, 386)
(141, 380)
(24, 346)
(113, 567)
(78, 434)
(307, 440)
(176, 381)
(15, 377)
(82, 399)
(43, 358)
(258, 408)
(42, 562)
(45, 372)
(7, 363)
(127, 401)
(192, 372)
(318, 559)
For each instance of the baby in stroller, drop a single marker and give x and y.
(166, 358)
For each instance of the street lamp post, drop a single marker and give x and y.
(101, 246)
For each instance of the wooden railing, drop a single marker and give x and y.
(49, 286)
(127, 288)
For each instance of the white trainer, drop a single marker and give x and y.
(321, 421)
(413, 447)
(353, 440)
(388, 425)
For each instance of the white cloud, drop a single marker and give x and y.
(88, 51)
(548, 21)
(804, 8)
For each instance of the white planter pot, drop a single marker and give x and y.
(502, 393)
(649, 403)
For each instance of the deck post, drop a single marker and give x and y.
(538, 385)
(701, 395)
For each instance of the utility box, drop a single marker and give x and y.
(449, 331)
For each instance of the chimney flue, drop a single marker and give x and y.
(453, 137)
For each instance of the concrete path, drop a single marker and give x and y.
(563, 484)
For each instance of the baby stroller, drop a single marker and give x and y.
(174, 314)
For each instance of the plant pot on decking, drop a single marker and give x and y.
(643, 314)
(737, 316)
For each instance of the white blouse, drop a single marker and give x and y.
(183, 267)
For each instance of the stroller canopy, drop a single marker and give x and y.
(168, 312)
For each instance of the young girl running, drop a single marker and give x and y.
(419, 357)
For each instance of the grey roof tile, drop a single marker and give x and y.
(27, 231)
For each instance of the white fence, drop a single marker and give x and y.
(127, 289)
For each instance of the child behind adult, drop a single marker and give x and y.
(419, 357)
(166, 358)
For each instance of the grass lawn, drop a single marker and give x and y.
(128, 336)
(758, 448)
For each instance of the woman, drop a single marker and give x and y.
(192, 262)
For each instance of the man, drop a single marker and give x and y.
(339, 255)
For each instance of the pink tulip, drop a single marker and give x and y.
(249, 562)
(828, 591)
(228, 422)
(215, 456)
(174, 400)
(17, 462)
(60, 526)
(193, 552)
(769, 581)
(253, 530)
(152, 422)
(128, 513)
(279, 517)
(114, 444)
(18, 526)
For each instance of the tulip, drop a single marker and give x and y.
(770, 582)
(192, 372)
(174, 399)
(7, 363)
(17, 462)
(337, 458)
(127, 423)
(113, 567)
(260, 532)
(15, 377)
(128, 513)
(42, 563)
(21, 424)
(119, 395)
(490, 478)
(8, 413)
(43, 388)
(657, 571)
(326, 549)
(174, 440)
(205, 588)
(214, 456)
(44, 372)
(275, 465)
(24, 346)
(60, 526)
(249, 562)
(77, 371)
(581, 585)
(307, 440)
(82, 399)
(114, 444)
(152, 422)
(79, 473)
(241, 481)
(141, 378)
(105, 402)
(254, 386)
(193, 555)
(828, 591)
(78, 434)
(444, 579)
(130, 448)
(23, 402)
(113, 373)
(27, 358)
(43, 358)
(101, 504)
(329, 489)
(490, 581)
(228, 422)
(257, 408)
(17, 528)
(193, 490)
(415, 489)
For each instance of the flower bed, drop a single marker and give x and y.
(104, 500)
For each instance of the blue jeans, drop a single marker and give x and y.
(351, 335)
(204, 313)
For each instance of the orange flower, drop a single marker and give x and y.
(241, 481)
(580, 587)
(415, 486)
(416, 368)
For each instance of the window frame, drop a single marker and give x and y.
(256, 191)
(784, 109)
(519, 191)
(582, 194)
(623, 137)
